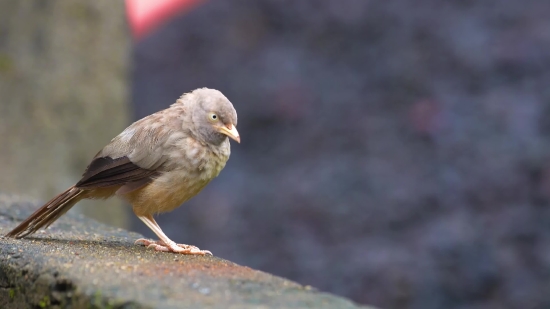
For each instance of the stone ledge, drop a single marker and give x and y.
(79, 263)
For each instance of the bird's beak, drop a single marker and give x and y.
(230, 131)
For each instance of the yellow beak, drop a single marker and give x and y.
(230, 131)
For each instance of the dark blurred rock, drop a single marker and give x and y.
(394, 152)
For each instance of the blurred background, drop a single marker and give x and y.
(393, 152)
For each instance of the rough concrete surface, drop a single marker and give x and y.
(79, 263)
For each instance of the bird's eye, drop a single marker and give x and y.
(213, 117)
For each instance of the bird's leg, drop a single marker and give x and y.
(165, 243)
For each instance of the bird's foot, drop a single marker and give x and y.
(160, 245)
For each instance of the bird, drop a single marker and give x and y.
(155, 164)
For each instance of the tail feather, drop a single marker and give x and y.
(48, 213)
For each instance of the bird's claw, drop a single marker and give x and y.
(160, 245)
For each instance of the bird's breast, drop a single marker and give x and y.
(188, 171)
(202, 160)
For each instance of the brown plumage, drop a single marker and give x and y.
(155, 164)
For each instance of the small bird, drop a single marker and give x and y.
(155, 164)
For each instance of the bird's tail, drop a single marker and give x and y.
(48, 213)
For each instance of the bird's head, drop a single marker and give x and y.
(214, 117)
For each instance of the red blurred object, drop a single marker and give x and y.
(145, 16)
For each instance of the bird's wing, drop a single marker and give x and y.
(132, 158)
(107, 172)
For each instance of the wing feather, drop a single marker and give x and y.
(135, 156)
(107, 172)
